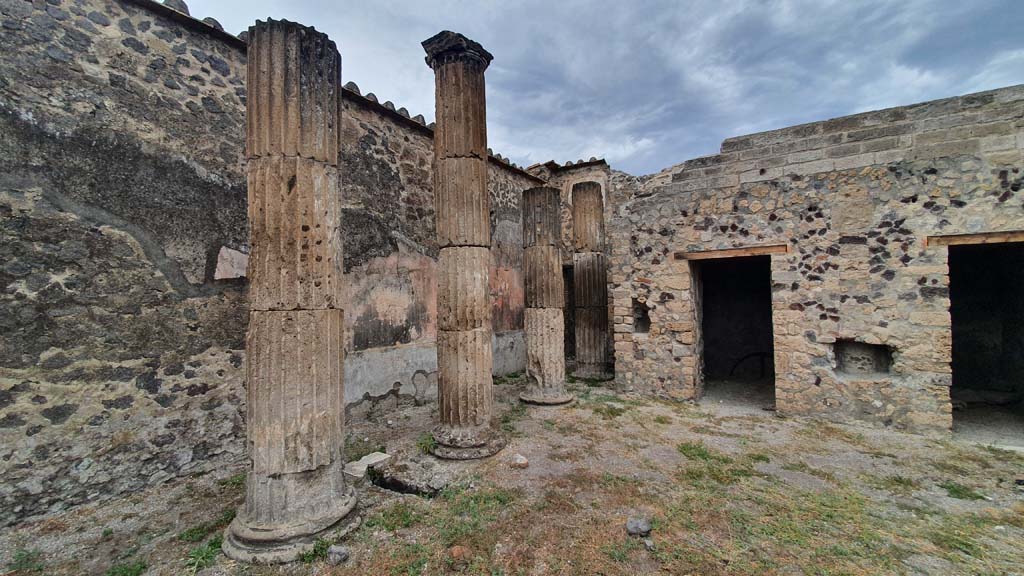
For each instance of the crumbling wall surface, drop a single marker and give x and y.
(121, 135)
(853, 200)
(120, 179)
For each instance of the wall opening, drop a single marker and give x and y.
(860, 359)
(735, 314)
(987, 312)
(569, 314)
(641, 317)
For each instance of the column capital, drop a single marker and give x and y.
(447, 45)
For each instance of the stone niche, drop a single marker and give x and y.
(641, 317)
(859, 359)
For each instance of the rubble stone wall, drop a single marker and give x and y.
(122, 125)
(852, 201)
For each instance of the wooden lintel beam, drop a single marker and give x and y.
(981, 238)
(734, 252)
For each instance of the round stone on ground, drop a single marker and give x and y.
(638, 527)
(337, 554)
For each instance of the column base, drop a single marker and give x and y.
(466, 444)
(544, 398)
(284, 543)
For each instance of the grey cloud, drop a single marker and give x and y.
(649, 84)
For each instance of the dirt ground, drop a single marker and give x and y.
(729, 489)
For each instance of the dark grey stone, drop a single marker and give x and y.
(60, 413)
(135, 45)
(98, 18)
(337, 554)
(126, 26)
(638, 527)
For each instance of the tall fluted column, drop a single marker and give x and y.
(296, 491)
(591, 282)
(545, 328)
(462, 209)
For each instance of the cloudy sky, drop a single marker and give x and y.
(650, 83)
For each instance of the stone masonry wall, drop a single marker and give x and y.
(853, 199)
(121, 135)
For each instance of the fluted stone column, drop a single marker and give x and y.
(591, 282)
(545, 328)
(296, 491)
(462, 211)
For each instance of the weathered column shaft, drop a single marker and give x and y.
(590, 280)
(545, 298)
(296, 490)
(462, 212)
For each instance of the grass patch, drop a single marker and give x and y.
(758, 457)
(514, 414)
(199, 532)
(426, 443)
(203, 556)
(469, 513)
(952, 538)
(589, 382)
(608, 411)
(662, 419)
(409, 560)
(26, 561)
(317, 552)
(620, 551)
(898, 484)
(235, 482)
(697, 451)
(397, 516)
(136, 568)
(959, 491)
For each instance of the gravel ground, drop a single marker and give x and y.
(730, 488)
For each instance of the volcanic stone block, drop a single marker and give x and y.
(461, 122)
(295, 409)
(461, 203)
(542, 268)
(545, 357)
(592, 342)
(463, 288)
(541, 217)
(294, 217)
(590, 277)
(465, 400)
(587, 217)
(293, 89)
(296, 488)
(462, 209)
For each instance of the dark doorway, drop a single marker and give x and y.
(736, 328)
(987, 310)
(570, 316)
